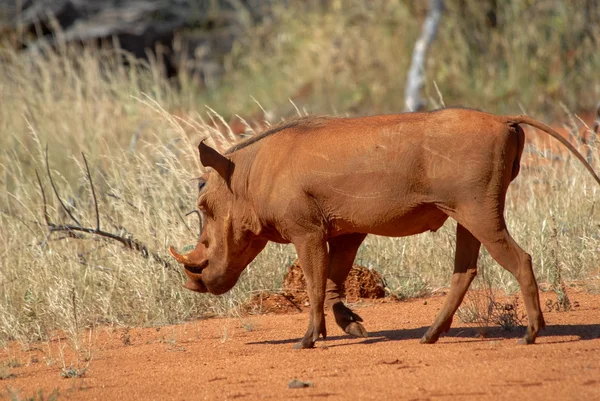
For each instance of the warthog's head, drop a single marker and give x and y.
(227, 243)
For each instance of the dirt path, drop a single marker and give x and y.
(252, 358)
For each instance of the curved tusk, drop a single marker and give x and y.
(183, 259)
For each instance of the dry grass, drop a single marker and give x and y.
(143, 160)
(143, 163)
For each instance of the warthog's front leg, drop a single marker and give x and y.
(313, 257)
(342, 251)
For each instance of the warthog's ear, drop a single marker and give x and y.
(211, 158)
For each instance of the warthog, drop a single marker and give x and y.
(324, 183)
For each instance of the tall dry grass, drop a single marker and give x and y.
(143, 162)
(143, 158)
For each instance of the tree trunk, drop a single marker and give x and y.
(416, 75)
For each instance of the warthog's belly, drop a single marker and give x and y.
(394, 223)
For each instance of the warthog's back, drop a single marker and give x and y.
(389, 175)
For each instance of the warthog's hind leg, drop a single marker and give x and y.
(465, 270)
(489, 227)
(342, 251)
(514, 259)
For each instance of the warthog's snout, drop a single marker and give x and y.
(193, 267)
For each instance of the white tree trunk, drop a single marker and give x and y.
(416, 75)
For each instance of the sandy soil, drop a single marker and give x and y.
(251, 357)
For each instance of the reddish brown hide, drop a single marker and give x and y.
(324, 183)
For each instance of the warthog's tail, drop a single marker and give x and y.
(521, 119)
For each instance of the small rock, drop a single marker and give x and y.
(295, 383)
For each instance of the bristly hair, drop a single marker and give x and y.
(456, 107)
(307, 122)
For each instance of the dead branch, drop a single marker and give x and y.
(71, 229)
(89, 177)
(291, 301)
(45, 208)
(65, 208)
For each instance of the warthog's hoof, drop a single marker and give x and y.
(433, 333)
(304, 344)
(349, 321)
(312, 335)
(526, 341)
(356, 329)
(429, 339)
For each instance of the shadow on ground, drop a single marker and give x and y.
(582, 331)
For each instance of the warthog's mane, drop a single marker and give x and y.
(298, 123)
(302, 124)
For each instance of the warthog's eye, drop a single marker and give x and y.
(201, 184)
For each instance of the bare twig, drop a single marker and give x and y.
(56, 192)
(200, 220)
(45, 205)
(127, 240)
(291, 301)
(89, 176)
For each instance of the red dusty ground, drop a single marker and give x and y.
(251, 358)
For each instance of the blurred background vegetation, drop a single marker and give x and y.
(334, 56)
